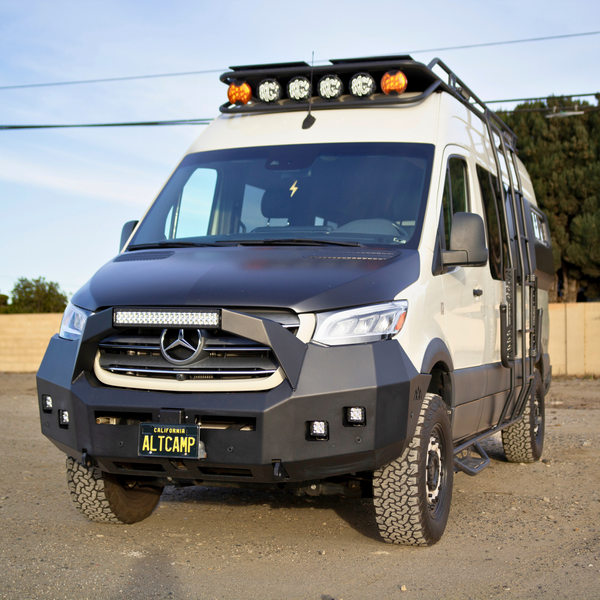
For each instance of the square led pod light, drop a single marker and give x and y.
(318, 429)
(356, 415)
(63, 418)
(47, 403)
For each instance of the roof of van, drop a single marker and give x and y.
(417, 125)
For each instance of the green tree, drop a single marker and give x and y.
(562, 156)
(37, 296)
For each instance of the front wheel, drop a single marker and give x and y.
(104, 498)
(412, 494)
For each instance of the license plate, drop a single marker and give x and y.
(170, 440)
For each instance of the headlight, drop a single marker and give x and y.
(360, 325)
(73, 322)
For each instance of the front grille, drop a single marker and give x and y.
(136, 352)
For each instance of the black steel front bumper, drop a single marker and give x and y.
(377, 376)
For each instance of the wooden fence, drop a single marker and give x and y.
(575, 338)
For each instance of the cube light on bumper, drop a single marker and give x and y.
(63, 418)
(319, 430)
(356, 415)
(47, 403)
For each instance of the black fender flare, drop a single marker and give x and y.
(436, 352)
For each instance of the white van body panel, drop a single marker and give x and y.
(417, 124)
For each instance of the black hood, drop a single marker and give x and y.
(305, 279)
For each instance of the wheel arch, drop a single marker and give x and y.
(437, 362)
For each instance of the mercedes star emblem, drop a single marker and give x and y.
(181, 346)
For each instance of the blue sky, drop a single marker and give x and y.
(65, 194)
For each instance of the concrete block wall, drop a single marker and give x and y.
(574, 339)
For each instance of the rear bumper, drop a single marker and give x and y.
(378, 377)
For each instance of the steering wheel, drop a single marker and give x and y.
(400, 229)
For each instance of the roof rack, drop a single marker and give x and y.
(459, 90)
(422, 82)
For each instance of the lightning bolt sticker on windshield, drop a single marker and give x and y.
(294, 188)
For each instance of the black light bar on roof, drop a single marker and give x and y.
(344, 83)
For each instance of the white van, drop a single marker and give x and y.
(341, 289)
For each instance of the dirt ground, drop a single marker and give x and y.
(515, 531)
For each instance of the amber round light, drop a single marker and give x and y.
(239, 92)
(394, 81)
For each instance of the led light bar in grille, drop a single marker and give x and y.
(207, 319)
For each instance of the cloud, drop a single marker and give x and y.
(112, 186)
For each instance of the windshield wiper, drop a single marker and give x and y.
(220, 243)
(296, 242)
(168, 244)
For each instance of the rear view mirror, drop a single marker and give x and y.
(467, 242)
(126, 232)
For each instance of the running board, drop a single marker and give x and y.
(472, 465)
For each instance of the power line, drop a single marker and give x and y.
(34, 85)
(540, 39)
(133, 77)
(579, 110)
(207, 121)
(541, 98)
(128, 124)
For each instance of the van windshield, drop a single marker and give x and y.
(351, 194)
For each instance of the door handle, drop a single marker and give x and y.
(477, 292)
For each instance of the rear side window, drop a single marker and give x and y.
(539, 227)
(456, 193)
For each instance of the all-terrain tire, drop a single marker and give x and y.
(412, 494)
(524, 441)
(102, 497)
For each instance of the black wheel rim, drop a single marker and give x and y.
(537, 418)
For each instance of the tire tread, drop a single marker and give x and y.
(399, 506)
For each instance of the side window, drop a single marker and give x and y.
(456, 193)
(539, 227)
(493, 221)
(194, 208)
(513, 172)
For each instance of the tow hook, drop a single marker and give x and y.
(278, 470)
(87, 460)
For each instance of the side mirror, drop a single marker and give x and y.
(126, 232)
(467, 242)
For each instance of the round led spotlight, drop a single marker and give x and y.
(394, 82)
(298, 89)
(362, 85)
(330, 87)
(269, 90)
(239, 93)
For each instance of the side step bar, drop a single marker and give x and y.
(469, 464)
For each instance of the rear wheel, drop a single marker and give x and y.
(104, 498)
(412, 494)
(524, 441)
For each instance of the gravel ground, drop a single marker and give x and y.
(515, 531)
